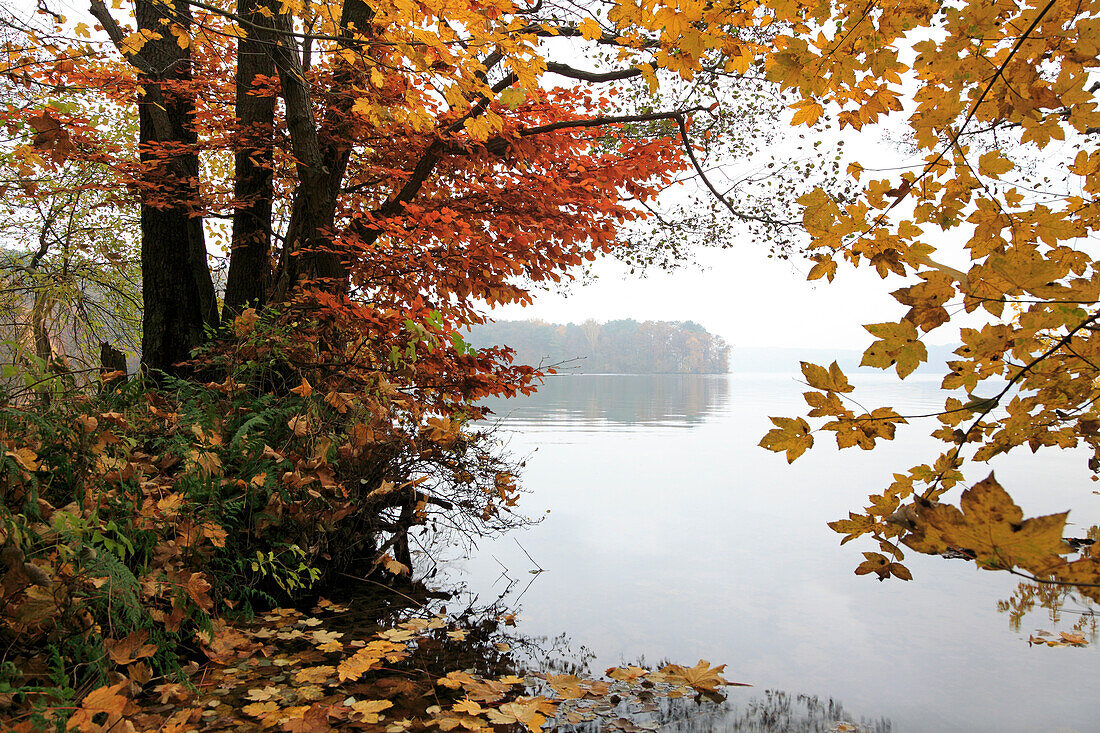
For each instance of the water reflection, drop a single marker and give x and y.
(696, 544)
(610, 401)
(1066, 609)
(772, 712)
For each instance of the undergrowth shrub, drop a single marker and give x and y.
(131, 520)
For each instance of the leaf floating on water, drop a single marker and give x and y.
(701, 678)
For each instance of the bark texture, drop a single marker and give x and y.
(177, 289)
(250, 255)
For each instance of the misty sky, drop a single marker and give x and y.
(741, 295)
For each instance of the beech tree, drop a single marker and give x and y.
(352, 126)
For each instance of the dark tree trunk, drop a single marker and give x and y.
(307, 254)
(322, 153)
(250, 258)
(177, 290)
(111, 361)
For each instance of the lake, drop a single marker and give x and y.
(668, 534)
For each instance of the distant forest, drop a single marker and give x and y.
(615, 347)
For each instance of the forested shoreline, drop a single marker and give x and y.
(624, 346)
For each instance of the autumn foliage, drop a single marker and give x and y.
(994, 219)
(376, 175)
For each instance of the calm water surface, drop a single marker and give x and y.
(671, 535)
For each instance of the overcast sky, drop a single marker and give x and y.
(740, 294)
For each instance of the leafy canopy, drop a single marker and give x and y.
(998, 101)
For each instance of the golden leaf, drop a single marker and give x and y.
(263, 694)
(359, 664)
(807, 112)
(131, 648)
(314, 675)
(994, 163)
(832, 380)
(702, 677)
(790, 435)
(260, 709)
(992, 527)
(367, 711)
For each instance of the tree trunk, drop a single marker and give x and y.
(322, 153)
(177, 290)
(307, 254)
(250, 251)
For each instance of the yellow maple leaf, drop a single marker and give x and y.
(701, 678)
(791, 435)
(992, 527)
(831, 380)
(359, 664)
(469, 707)
(807, 112)
(25, 457)
(368, 710)
(314, 675)
(263, 694)
(590, 29)
(527, 711)
(324, 637)
(627, 674)
(994, 163)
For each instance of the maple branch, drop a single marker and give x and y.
(985, 92)
(482, 103)
(994, 401)
(690, 150)
(593, 76)
(489, 62)
(114, 31)
(607, 120)
(568, 31)
(1048, 581)
(904, 190)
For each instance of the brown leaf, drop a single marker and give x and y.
(305, 389)
(131, 648)
(315, 720)
(245, 322)
(702, 677)
(107, 701)
(198, 588)
(992, 527)
(300, 425)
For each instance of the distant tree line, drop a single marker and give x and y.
(616, 347)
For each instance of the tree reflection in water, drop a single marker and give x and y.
(1066, 609)
(772, 712)
(615, 400)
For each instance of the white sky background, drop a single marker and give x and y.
(752, 300)
(739, 294)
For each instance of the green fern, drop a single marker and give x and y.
(122, 600)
